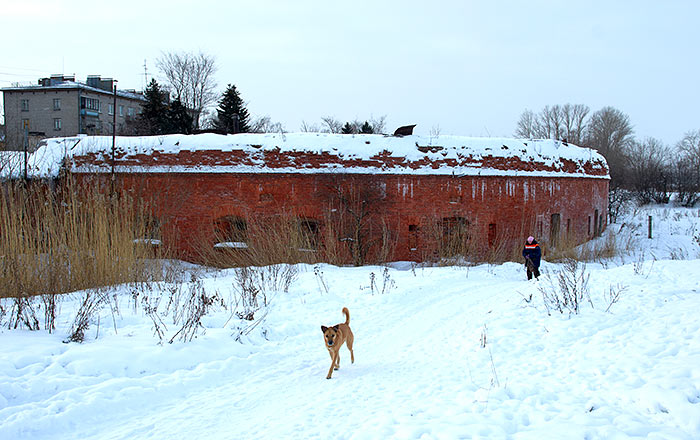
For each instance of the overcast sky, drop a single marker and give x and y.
(467, 67)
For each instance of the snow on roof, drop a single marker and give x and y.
(317, 153)
(74, 85)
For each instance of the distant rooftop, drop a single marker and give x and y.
(94, 83)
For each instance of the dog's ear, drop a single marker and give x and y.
(324, 328)
(336, 328)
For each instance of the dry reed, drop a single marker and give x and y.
(58, 238)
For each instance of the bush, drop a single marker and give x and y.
(567, 290)
(254, 287)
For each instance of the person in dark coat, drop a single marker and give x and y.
(532, 254)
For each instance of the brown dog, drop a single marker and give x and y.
(334, 337)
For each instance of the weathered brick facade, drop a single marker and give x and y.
(514, 206)
(410, 199)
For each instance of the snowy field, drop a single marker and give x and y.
(440, 353)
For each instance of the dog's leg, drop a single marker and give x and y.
(337, 360)
(330, 370)
(351, 339)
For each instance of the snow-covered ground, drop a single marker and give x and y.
(440, 353)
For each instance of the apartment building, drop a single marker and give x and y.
(60, 106)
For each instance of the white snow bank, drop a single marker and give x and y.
(47, 160)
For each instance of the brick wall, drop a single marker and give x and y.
(499, 210)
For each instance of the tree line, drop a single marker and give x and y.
(644, 169)
(181, 104)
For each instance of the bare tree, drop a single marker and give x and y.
(574, 122)
(551, 122)
(690, 145)
(190, 77)
(554, 122)
(378, 124)
(332, 125)
(309, 128)
(610, 132)
(355, 207)
(686, 169)
(264, 124)
(527, 125)
(329, 124)
(649, 172)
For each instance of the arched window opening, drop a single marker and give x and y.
(455, 236)
(231, 232)
(309, 234)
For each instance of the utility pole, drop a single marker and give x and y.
(114, 132)
(26, 148)
(145, 75)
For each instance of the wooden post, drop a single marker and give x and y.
(649, 226)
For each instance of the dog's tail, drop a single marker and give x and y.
(346, 312)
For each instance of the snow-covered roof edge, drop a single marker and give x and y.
(317, 153)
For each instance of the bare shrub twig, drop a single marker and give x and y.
(568, 289)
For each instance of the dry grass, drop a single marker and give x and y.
(68, 238)
(288, 238)
(598, 250)
(274, 240)
(451, 241)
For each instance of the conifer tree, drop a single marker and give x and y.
(232, 116)
(347, 129)
(179, 119)
(154, 113)
(366, 128)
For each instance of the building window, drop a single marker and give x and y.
(57, 104)
(57, 124)
(413, 237)
(455, 236)
(151, 230)
(309, 233)
(130, 112)
(231, 232)
(24, 105)
(90, 104)
(554, 226)
(121, 110)
(492, 234)
(110, 109)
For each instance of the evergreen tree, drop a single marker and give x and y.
(179, 119)
(347, 129)
(154, 113)
(232, 116)
(366, 128)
